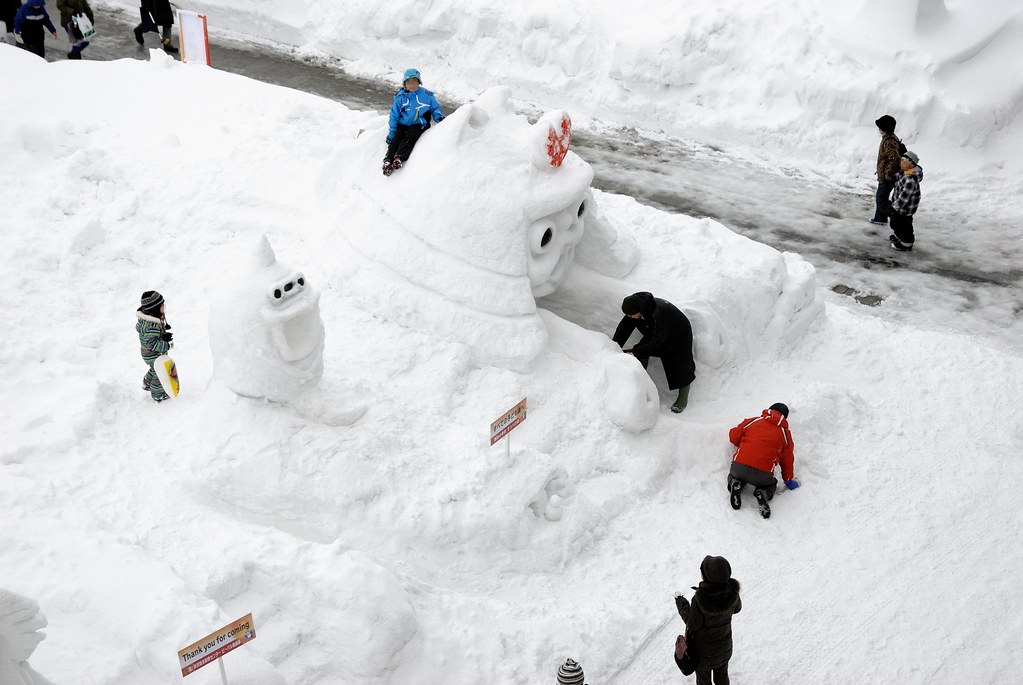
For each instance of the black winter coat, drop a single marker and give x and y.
(8, 8)
(667, 334)
(159, 10)
(709, 622)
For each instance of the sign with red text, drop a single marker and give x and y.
(511, 418)
(215, 645)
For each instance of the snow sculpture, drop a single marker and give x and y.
(20, 623)
(266, 333)
(455, 261)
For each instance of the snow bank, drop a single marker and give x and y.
(799, 78)
(370, 528)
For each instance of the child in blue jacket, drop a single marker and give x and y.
(411, 112)
(29, 23)
(154, 338)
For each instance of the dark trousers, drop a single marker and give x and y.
(747, 475)
(902, 227)
(149, 26)
(33, 37)
(404, 140)
(720, 676)
(883, 201)
(76, 45)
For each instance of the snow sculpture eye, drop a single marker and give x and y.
(540, 236)
(301, 281)
(277, 293)
(582, 210)
(288, 287)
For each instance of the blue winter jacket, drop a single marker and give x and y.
(33, 10)
(414, 109)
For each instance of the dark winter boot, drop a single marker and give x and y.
(168, 48)
(765, 508)
(396, 164)
(682, 402)
(388, 167)
(138, 36)
(901, 246)
(74, 54)
(735, 496)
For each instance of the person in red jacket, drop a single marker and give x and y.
(762, 443)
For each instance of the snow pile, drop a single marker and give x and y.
(369, 526)
(794, 77)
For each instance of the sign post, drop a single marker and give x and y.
(215, 645)
(505, 423)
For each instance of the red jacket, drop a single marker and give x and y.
(764, 441)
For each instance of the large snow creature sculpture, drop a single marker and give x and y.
(488, 214)
(20, 623)
(266, 333)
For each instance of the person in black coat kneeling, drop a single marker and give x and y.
(709, 620)
(667, 334)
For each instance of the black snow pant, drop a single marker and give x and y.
(33, 37)
(902, 227)
(761, 480)
(720, 676)
(404, 140)
(150, 26)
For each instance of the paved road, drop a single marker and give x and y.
(788, 209)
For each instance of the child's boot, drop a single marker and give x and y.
(735, 494)
(168, 48)
(396, 164)
(388, 167)
(765, 508)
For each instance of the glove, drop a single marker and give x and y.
(390, 138)
(167, 336)
(681, 602)
(792, 484)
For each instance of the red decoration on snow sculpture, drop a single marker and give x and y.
(557, 145)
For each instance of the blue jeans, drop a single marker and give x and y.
(883, 200)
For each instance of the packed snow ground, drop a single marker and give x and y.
(370, 528)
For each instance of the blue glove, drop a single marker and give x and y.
(390, 138)
(792, 484)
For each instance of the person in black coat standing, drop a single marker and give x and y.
(157, 16)
(709, 620)
(667, 334)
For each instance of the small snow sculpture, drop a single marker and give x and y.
(20, 623)
(266, 333)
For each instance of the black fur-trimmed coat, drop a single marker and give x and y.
(709, 622)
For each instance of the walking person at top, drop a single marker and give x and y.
(888, 153)
(411, 112)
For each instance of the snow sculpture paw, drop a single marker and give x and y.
(630, 396)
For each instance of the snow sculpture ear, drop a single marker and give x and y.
(549, 140)
(464, 122)
(496, 101)
(264, 254)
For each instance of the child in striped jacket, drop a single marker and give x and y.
(154, 338)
